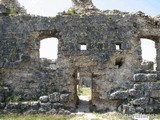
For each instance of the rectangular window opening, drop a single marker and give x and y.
(118, 46)
(83, 47)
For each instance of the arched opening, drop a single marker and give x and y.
(49, 48)
(148, 53)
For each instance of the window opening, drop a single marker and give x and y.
(148, 51)
(118, 46)
(49, 48)
(119, 62)
(83, 47)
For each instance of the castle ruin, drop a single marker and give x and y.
(112, 60)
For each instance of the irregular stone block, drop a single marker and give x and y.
(44, 99)
(46, 106)
(155, 93)
(149, 109)
(52, 111)
(25, 105)
(31, 112)
(6, 90)
(41, 111)
(1, 91)
(54, 97)
(4, 10)
(155, 86)
(1, 64)
(25, 58)
(139, 87)
(13, 108)
(1, 98)
(64, 97)
(156, 104)
(151, 77)
(120, 109)
(34, 105)
(147, 65)
(139, 109)
(135, 93)
(128, 109)
(61, 111)
(67, 112)
(119, 95)
(140, 101)
(140, 77)
(57, 105)
(2, 105)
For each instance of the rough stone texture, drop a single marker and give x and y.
(129, 109)
(3, 10)
(55, 97)
(119, 95)
(64, 97)
(83, 5)
(44, 99)
(147, 65)
(26, 77)
(13, 6)
(140, 101)
(139, 110)
(155, 94)
(141, 77)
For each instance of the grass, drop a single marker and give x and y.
(85, 91)
(119, 116)
(106, 116)
(35, 117)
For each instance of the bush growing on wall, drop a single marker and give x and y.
(14, 7)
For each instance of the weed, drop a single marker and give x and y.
(15, 98)
(71, 12)
(158, 81)
(136, 25)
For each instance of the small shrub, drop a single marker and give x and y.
(71, 12)
(12, 11)
(158, 81)
(15, 98)
(136, 25)
(1, 84)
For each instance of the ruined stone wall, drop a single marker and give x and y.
(26, 77)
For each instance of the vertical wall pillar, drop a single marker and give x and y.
(158, 57)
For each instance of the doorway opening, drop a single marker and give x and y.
(148, 53)
(84, 91)
(49, 48)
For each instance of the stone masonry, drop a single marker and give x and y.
(112, 61)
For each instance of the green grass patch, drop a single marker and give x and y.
(35, 117)
(158, 81)
(84, 91)
(97, 116)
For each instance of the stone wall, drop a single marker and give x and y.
(112, 60)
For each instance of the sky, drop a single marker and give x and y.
(52, 7)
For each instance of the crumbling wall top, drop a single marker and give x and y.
(13, 6)
(83, 5)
